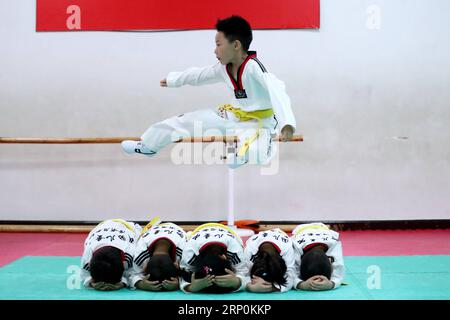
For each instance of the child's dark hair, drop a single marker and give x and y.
(269, 266)
(315, 262)
(106, 265)
(161, 267)
(211, 262)
(236, 28)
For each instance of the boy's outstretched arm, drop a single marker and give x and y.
(193, 77)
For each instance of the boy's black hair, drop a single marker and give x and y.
(315, 262)
(106, 265)
(269, 266)
(236, 28)
(210, 262)
(161, 267)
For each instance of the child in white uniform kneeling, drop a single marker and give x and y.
(158, 253)
(108, 255)
(214, 259)
(319, 258)
(271, 261)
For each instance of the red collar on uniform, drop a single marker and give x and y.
(238, 84)
(312, 245)
(211, 243)
(272, 243)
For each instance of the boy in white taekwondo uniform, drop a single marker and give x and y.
(214, 234)
(115, 241)
(260, 105)
(270, 247)
(318, 238)
(147, 245)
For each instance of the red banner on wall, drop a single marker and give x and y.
(79, 15)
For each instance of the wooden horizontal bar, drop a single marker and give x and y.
(209, 139)
(293, 139)
(120, 139)
(88, 228)
(66, 140)
(286, 226)
(46, 228)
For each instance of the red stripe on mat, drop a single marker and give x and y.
(14, 245)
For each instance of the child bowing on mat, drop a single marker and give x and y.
(158, 254)
(271, 260)
(108, 255)
(213, 260)
(319, 258)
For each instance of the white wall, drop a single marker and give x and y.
(355, 90)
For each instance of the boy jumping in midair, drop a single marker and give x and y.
(260, 105)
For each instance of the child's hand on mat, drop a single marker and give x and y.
(228, 281)
(316, 283)
(147, 285)
(103, 286)
(259, 285)
(200, 284)
(287, 132)
(171, 284)
(163, 83)
(321, 283)
(306, 285)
